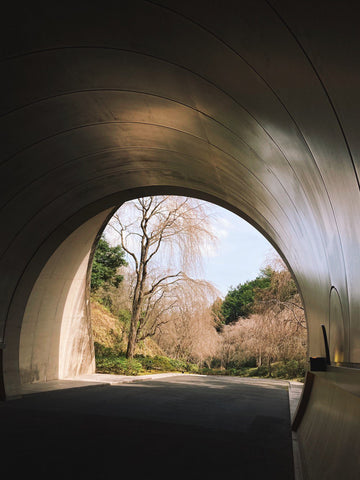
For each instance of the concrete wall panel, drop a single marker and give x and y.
(56, 338)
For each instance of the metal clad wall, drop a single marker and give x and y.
(251, 104)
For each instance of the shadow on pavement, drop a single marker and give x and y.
(199, 427)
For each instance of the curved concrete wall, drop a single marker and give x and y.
(253, 105)
(56, 338)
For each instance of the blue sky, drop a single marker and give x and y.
(242, 251)
(240, 254)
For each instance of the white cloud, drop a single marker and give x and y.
(209, 250)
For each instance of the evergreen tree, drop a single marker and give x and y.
(239, 301)
(106, 262)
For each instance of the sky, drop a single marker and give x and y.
(242, 251)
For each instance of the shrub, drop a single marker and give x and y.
(102, 351)
(107, 361)
(118, 365)
(291, 369)
(192, 368)
(215, 363)
(262, 371)
(162, 363)
(249, 362)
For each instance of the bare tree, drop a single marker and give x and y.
(191, 335)
(276, 331)
(164, 237)
(282, 297)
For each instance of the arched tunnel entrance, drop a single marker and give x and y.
(55, 337)
(251, 105)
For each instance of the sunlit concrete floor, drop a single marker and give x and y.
(169, 427)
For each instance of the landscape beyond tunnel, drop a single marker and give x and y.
(253, 105)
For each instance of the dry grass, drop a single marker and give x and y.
(109, 332)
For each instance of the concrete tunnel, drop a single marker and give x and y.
(252, 105)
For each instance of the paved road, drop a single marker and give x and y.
(177, 427)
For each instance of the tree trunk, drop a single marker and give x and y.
(136, 311)
(133, 332)
(132, 339)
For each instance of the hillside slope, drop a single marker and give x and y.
(109, 331)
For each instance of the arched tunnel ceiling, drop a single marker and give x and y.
(251, 104)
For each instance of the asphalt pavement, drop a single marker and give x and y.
(181, 426)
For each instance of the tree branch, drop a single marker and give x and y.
(159, 282)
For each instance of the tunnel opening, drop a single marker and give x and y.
(254, 326)
(59, 292)
(59, 305)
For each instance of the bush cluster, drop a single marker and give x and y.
(108, 362)
(292, 369)
(118, 365)
(161, 363)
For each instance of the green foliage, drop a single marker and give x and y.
(118, 365)
(163, 364)
(124, 316)
(102, 351)
(111, 361)
(105, 299)
(290, 370)
(239, 301)
(245, 363)
(106, 262)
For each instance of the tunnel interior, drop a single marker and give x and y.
(251, 105)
